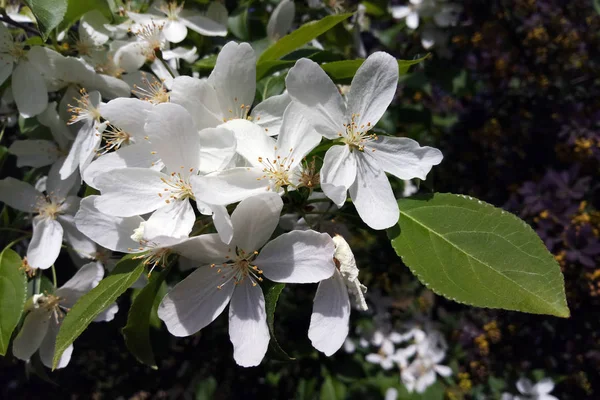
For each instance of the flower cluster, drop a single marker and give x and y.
(195, 167)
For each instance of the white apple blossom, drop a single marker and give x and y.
(43, 321)
(529, 391)
(360, 163)
(53, 218)
(177, 20)
(331, 310)
(228, 94)
(29, 90)
(185, 152)
(235, 270)
(272, 165)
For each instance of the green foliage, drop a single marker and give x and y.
(332, 389)
(473, 253)
(85, 310)
(271, 298)
(345, 70)
(297, 39)
(48, 13)
(137, 330)
(13, 291)
(77, 8)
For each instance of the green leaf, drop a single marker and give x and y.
(597, 6)
(345, 70)
(271, 298)
(13, 293)
(48, 13)
(473, 253)
(85, 310)
(137, 330)
(76, 8)
(300, 37)
(332, 390)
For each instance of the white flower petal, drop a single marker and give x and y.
(206, 249)
(92, 28)
(400, 12)
(268, 114)
(18, 194)
(298, 257)
(412, 20)
(109, 314)
(525, 386)
(80, 243)
(248, 328)
(223, 223)
(252, 141)
(48, 345)
(403, 157)
(32, 333)
(543, 387)
(109, 231)
(60, 131)
(297, 136)
(127, 114)
(45, 244)
(199, 98)
(204, 25)
(29, 89)
(323, 105)
(218, 148)
(174, 31)
(34, 153)
(130, 191)
(130, 57)
(373, 89)
(254, 221)
(372, 194)
(443, 370)
(174, 219)
(229, 186)
(58, 187)
(281, 19)
(424, 381)
(196, 301)
(174, 137)
(338, 173)
(84, 280)
(134, 156)
(330, 316)
(234, 78)
(6, 66)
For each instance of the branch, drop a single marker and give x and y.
(5, 18)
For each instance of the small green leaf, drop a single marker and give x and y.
(127, 271)
(332, 390)
(76, 8)
(300, 37)
(271, 298)
(48, 13)
(345, 70)
(13, 292)
(137, 330)
(473, 253)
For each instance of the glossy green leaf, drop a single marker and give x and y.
(13, 292)
(48, 13)
(76, 8)
(345, 70)
(300, 37)
(85, 310)
(473, 253)
(271, 298)
(137, 330)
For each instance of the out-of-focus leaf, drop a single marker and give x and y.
(271, 298)
(300, 37)
(206, 388)
(137, 330)
(76, 8)
(48, 13)
(473, 253)
(238, 23)
(332, 390)
(13, 292)
(85, 310)
(345, 70)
